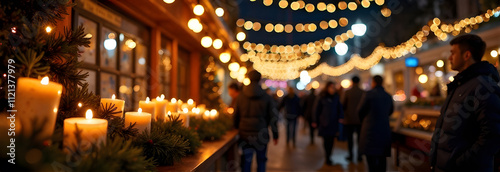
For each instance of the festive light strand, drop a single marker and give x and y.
(289, 28)
(439, 29)
(322, 6)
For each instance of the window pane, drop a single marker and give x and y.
(88, 54)
(91, 79)
(141, 59)
(108, 48)
(108, 85)
(126, 92)
(140, 91)
(127, 45)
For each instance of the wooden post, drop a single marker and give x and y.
(154, 65)
(194, 78)
(63, 24)
(175, 69)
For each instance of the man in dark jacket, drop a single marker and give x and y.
(467, 133)
(255, 111)
(374, 111)
(309, 112)
(291, 104)
(352, 98)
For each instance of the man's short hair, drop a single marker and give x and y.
(254, 76)
(234, 86)
(355, 79)
(472, 43)
(378, 80)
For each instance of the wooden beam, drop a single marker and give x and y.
(175, 69)
(154, 65)
(194, 78)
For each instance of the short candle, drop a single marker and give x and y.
(141, 119)
(119, 104)
(92, 131)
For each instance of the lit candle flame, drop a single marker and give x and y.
(190, 102)
(147, 99)
(140, 110)
(207, 113)
(173, 100)
(169, 114)
(185, 110)
(88, 114)
(158, 98)
(213, 112)
(113, 97)
(45, 81)
(193, 110)
(79, 104)
(162, 96)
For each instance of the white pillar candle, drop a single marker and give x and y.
(149, 107)
(141, 119)
(202, 108)
(191, 104)
(160, 106)
(214, 114)
(92, 131)
(184, 116)
(119, 104)
(172, 105)
(207, 115)
(37, 101)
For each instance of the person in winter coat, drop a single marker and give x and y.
(255, 111)
(352, 98)
(374, 111)
(308, 108)
(467, 134)
(291, 103)
(328, 114)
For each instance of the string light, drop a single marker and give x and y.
(219, 12)
(240, 36)
(288, 28)
(198, 10)
(206, 41)
(48, 29)
(321, 6)
(169, 1)
(217, 44)
(225, 57)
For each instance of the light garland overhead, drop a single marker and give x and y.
(441, 30)
(322, 6)
(289, 28)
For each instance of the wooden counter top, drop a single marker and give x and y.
(208, 153)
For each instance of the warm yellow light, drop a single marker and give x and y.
(494, 53)
(240, 22)
(343, 21)
(139, 110)
(310, 8)
(173, 100)
(352, 6)
(169, 1)
(198, 10)
(423, 78)
(147, 100)
(386, 12)
(256, 26)
(130, 44)
(206, 41)
(243, 70)
(279, 28)
(330, 8)
(269, 27)
(248, 25)
(299, 27)
(246, 81)
(280, 93)
(333, 24)
(365, 3)
(162, 96)
(288, 28)
(113, 96)
(283, 4)
(230, 110)
(225, 57)
(88, 114)
(315, 84)
(342, 5)
(345, 83)
(217, 44)
(234, 66)
(241, 36)
(268, 2)
(195, 25)
(80, 105)
(219, 12)
(451, 78)
(440, 63)
(419, 70)
(321, 6)
(379, 2)
(295, 5)
(45, 81)
(48, 29)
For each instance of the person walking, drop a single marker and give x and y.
(328, 114)
(374, 111)
(352, 98)
(233, 91)
(291, 104)
(255, 112)
(467, 134)
(309, 112)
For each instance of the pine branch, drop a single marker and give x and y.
(70, 99)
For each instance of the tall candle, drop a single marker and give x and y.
(184, 116)
(149, 107)
(207, 115)
(172, 105)
(37, 101)
(214, 114)
(141, 119)
(202, 108)
(92, 131)
(191, 104)
(119, 104)
(160, 106)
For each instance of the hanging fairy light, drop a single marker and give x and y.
(219, 12)
(234, 66)
(241, 36)
(225, 57)
(169, 1)
(48, 29)
(217, 44)
(206, 41)
(198, 10)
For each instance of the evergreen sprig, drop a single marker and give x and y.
(70, 99)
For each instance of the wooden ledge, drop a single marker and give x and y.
(209, 152)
